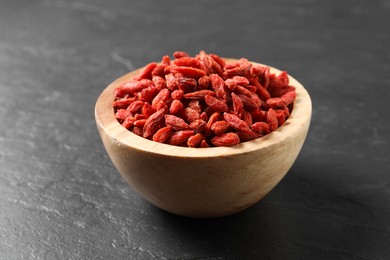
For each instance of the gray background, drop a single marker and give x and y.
(60, 196)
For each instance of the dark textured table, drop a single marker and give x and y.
(61, 197)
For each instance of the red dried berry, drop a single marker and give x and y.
(198, 125)
(196, 105)
(162, 134)
(260, 128)
(135, 107)
(180, 54)
(189, 114)
(225, 139)
(146, 72)
(272, 120)
(187, 62)
(235, 122)
(195, 140)
(289, 97)
(128, 88)
(216, 104)
(153, 123)
(175, 107)
(163, 96)
(180, 137)
(220, 127)
(204, 82)
(200, 94)
(147, 110)
(180, 102)
(187, 71)
(159, 82)
(177, 94)
(204, 144)
(175, 122)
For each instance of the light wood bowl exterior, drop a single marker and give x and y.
(203, 182)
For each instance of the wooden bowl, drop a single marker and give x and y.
(203, 182)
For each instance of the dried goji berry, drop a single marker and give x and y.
(259, 115)
(216, 104)
(218, 85)
(187, 71)
(195, 140)
(280, 91)
(196, 105)
(139, 122)
(147, 110)
(211, 65)
(261, 91)
(162, 134)
(204, 82)
(180, 137)
(247, 135)
(186, 84)
(163, 96)
(200, 94)
(128, 122)
(146, 83)
(161, 105)
(272, 120)
(280, 81)
(260, 128)
(146, 72)
(249, 103)
(180, 102)
(235, 81)
(235, 122)
(177, 94)
(153, 123)
(280, 116)
(187, 62)
(123, 103)
(165, 60)
(148, 94)
(171, 82)
(225, 139)
(175, 122)
(189, 114)
(247, 117)
(218, 60)
(128, 88)
(242, 68)
(289, 97)
(159, 70)
(238, 105)
(159, 82)
(180, 54)
(276, 102)
(204, 144)
(175, 107)
(139, 116)
(135, 107)
(198, 125)
(220, 127)
(137, 130)
(204, 116)
(213, 118)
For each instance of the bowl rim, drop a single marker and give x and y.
(298, 120)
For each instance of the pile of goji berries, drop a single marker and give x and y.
(203, 101)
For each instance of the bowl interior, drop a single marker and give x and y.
(105, 117)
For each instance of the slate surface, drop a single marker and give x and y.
(60, 196)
